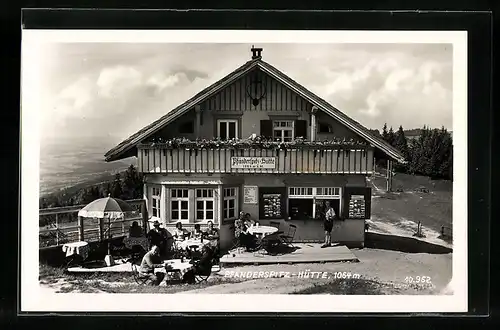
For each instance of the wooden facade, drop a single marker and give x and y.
(275, 96)
(256, 100)
(290, 161)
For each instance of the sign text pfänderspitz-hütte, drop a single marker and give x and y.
(253, 162)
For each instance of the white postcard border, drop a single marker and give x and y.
(35, 298)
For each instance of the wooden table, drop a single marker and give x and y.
(130, 242)
(76, 248)
(184, 245)
(262, 230)
(176, 266)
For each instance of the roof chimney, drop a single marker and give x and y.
(256, 52)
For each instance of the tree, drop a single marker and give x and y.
(89, 195)
(391, 138)
(116, 187)
(132, 183)
(401, 143)
(384, 132)
(107, 189)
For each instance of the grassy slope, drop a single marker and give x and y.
(432, 209)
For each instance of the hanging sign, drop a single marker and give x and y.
(253, 162)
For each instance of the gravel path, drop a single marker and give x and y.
(387, 267)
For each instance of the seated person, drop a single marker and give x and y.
(246, 239)
(150, 261)
(202, 267)
(197, 233)
(248, 220)
(179, 233)
(135, 230)
(158, 236)
(211, 233)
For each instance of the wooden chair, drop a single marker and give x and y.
(277, 225)
(203, 267)
(288, 238)
(135, 272)
(235, 243)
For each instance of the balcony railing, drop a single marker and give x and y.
(60, 225)
(157, 158)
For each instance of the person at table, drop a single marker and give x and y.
(179, 232)
(197, 233)
(245, 239)
(212, 234)
(149, 263)
(202, 267)
(135, 230)
(158, 236)
(249, 222)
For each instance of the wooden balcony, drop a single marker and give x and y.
(304, 160)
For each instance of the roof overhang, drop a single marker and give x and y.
(120, 150)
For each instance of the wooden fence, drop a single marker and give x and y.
(61, 225)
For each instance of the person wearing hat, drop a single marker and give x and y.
(158, 236)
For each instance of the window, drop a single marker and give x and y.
(187, 128)
(204, 204)
(304, 201)
(227, 129)
(230, 203)
(155, 201)
(300, 191)
(327, 191)
(179, 205)
(283, 130)
(324, 128)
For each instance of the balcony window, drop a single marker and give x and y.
(230, 203)
(179, 205)
(204, 205)
(227, 129)
(283, 130)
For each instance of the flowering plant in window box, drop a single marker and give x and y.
(256, 142)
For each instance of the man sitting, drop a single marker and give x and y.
(150, 261)
(202, 266)
(212, 235)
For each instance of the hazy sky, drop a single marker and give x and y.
(92, 89)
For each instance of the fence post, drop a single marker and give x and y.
(81, 229)
(101, 229)
(144, 212)
(57, 230)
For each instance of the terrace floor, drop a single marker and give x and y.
(304, 253)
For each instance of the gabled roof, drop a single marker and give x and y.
(118, 151)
